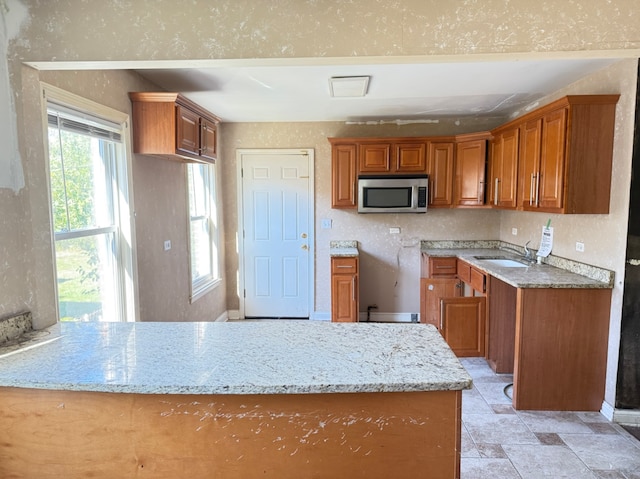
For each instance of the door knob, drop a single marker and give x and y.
(304, 246)
(303, 235)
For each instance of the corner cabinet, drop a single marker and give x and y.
(470, 170)
(449, 301)
(344, 289)
(172, 126)
(503, 168)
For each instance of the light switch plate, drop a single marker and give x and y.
(580, 246)
(514, 231)
(394, 230)
(167, 245)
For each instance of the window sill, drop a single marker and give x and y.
(203, 289)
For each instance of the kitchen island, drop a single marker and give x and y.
(231, 400)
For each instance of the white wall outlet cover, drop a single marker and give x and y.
(167, 245)
(514, 231)
(394, 230)
(580, 246)
(325, 224)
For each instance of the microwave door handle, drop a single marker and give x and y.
(414, 197)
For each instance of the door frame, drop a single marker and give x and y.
(309, 152)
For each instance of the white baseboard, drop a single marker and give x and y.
(223, 317)
(386, 317)
(607, 410)
(320, 316)
(233, 314)
(629, 417)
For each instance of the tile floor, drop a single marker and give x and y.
(501, 443)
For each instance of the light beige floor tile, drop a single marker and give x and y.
(498, 429)
(537, 462)
(554, 421)
(487, 468)
(468, 446)
(493, 393)
(474, 403)
(605, 451)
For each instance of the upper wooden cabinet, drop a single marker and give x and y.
(440, 170)
(566, 155)
(503, 168)
(343, 176)
(470, 170)
(172, 126)
(393, 156)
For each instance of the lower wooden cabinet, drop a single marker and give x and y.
(344, 289)
(460, 319)
(462, 322)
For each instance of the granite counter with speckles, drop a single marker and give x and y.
(562, 274)
(252, 357)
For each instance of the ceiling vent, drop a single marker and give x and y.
(348, 87)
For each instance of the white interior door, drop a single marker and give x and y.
(276, 253)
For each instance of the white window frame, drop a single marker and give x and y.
(125, 208)
(202, 285)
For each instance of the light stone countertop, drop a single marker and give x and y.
(533, 276)
(345, 248)
(245, 357)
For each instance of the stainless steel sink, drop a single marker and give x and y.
(502, 261)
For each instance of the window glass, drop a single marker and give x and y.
(203, 230)
(84, 184)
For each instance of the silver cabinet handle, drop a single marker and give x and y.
(531, 187)
(495, 196)
(537, 188)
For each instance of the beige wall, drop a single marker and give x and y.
(389, 263)
(604, 236)
(159, 192)
(74, 31)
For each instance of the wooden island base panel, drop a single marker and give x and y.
(231, 400)
(73, 434)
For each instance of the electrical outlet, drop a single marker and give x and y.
(325, 224)
(167, 245)
(394, 231)
(580, 246)
(514, 231)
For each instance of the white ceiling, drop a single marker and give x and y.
(398, 92)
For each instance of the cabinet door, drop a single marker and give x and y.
(343, 298)
(463, 323)
(431, 292)
(470, 167)
(530, 139)
(343, 176)
(208, 139)
(188, 131)
(410, 157)
(552, 159)
(440, 171)
(375, 157)
(504, 170)
(501, 326)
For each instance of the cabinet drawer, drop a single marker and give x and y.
(347, 265)
(463, 270)
(478, 280)
(442, 267)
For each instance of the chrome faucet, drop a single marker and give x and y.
(528, 255)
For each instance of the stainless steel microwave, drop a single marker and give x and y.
(392, 194)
